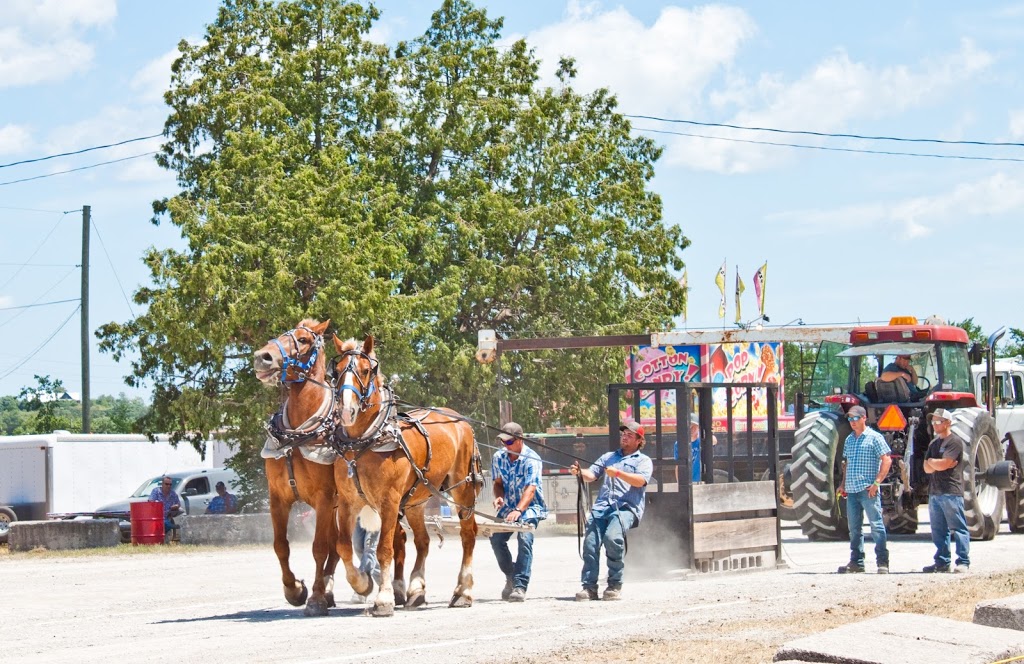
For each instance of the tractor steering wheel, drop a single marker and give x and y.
(927, 383)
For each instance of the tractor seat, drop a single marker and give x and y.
(894, 391)
(870, 391)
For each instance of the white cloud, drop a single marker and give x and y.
(1017, 124)
(43, 40)
(14, 139)
(829, 97)
(153, 79)
(659, 69)
(967, 203)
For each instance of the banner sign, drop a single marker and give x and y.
(668, 364)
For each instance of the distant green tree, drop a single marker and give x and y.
(974, 332)
(50, 413)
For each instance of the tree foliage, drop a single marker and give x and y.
(39, 409)
(419, 194)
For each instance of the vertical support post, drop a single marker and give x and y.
(684, 471)
(613, 418)
(773, 450)
(84, 317)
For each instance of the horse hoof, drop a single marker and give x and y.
(330, 599)
(400, 598)
(415, 601)
(316, 607)
(382, 610)
(296, 595)
(460, 602)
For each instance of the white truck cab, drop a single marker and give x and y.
(1009, 392)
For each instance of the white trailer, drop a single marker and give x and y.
(66, 473)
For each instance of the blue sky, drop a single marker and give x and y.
(847, 236)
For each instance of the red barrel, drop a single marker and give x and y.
(147, 523)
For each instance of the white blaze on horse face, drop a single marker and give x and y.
(349, 402)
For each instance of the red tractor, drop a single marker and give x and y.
(850, 375)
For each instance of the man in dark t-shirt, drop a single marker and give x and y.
(944, 464)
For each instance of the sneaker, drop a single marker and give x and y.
(851, 568)
(517, 595)
(883, 569)
(612, 593)
(507, 591)
(962, 569)
(935, 569)
(586, 595)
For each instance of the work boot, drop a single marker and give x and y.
(507, 591)
(612, 593)
(883, 568)
(851, 568)
(935, 569)
(586, 595)
(517, 595)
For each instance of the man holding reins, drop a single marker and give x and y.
(619, 507)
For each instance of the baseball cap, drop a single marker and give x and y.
(943, 414)
(631, 425)
(510, 432)
(857, 411)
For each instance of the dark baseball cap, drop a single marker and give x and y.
(510, 432)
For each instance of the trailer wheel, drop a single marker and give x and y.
(7, 517)
(817, 464)
(983, 504)
(1015, 498)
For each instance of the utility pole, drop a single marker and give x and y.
(84, 312)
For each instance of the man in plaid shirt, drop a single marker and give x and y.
(865, 464)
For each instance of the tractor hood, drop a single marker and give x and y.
(887, 348)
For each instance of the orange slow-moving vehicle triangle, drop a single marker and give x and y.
(892, 419)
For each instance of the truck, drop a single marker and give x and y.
(848, 374)
(61, 473)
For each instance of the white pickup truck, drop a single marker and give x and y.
(1009, 392)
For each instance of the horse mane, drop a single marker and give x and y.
(308, 322)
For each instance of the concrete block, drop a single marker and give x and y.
(897, 638)
(1007, 613)
(228, 529)
(57, 535)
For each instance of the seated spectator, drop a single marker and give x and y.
(172, 504)
(223, 503)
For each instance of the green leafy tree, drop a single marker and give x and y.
(51, 413)
(419, 195)
(973, 330)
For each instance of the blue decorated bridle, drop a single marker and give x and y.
(364, 390)
(289, 362)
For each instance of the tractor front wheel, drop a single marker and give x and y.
(817, 463)
(983, 503)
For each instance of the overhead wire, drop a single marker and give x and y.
(82, 151)
(117, 278)
(32, 255)
(828, 148)
(42, 345)
(35, 303)
(80, 168)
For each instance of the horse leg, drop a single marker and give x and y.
(384, 602)
(399, 565)
(463, 595)
(294, 590)
(332, 561)
(323, 541)
(420, 536)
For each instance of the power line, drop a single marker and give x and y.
(42, 345)
(82, 151)
(32, 304)
(33, 255)
(81, 168)
(112, 268)
(824, 134)
(24, 209)
(39, 264)
(829, 149)
(41, 304)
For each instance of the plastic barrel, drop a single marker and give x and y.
(147, 523)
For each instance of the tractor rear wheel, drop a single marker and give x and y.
(817, 463)
(1015, 498)
(983, 504)
(904, 523)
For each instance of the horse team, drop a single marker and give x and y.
(340, 446)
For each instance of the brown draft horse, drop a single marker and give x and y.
(442, 447)
(296, 360)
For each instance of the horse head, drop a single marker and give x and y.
(294, 356)
(357, 380)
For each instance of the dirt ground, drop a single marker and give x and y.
(187, 604)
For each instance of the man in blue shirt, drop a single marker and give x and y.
(223, 502)
(619, 507)
(866, 462)
(172, 503)
(518, 498)
(694, 449)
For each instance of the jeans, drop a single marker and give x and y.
(946, 515)
(609, 530)
(857, 504)
(520, 570)
(364, 547)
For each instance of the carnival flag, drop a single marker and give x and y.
(720, 282)
(739, 291)
(686, 292)
(760, 278)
